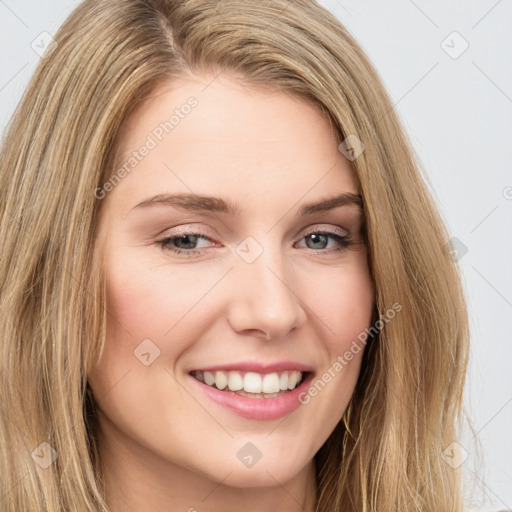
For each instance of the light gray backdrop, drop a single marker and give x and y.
(448, 68)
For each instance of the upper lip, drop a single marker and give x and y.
(258, 367)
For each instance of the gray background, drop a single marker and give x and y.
(456, 106)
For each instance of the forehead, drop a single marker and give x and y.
(218, 136)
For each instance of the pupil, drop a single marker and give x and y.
(188, 240)
(318, 239)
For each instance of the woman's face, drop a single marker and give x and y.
(253, 279)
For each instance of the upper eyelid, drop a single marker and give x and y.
(316, 228)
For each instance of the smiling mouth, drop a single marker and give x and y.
(252, 384)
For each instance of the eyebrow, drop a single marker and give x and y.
(196, 202)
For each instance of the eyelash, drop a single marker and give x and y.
(344, 242)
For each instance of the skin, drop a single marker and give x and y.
(164, 445)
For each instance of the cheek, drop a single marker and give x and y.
(345, 304)
(351, 308)
(169, 307)
(145, 302)
(346, 312)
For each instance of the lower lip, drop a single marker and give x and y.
(257, 408)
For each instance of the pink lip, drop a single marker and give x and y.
(255, 366)
(257, 408)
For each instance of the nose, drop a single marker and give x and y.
(265, 301)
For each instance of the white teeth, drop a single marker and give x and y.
(270, 383)
(283, 381)
(209, 378)
(293, 379)
(251, 382)
(221, 380)
(235, 381)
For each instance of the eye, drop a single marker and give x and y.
(318, 240)
(186, 243)
(189, 244)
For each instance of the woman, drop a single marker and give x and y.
(223, 281)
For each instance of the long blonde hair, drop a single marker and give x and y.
(387, 452)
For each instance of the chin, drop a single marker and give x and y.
(263, 477)
(261, 474)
